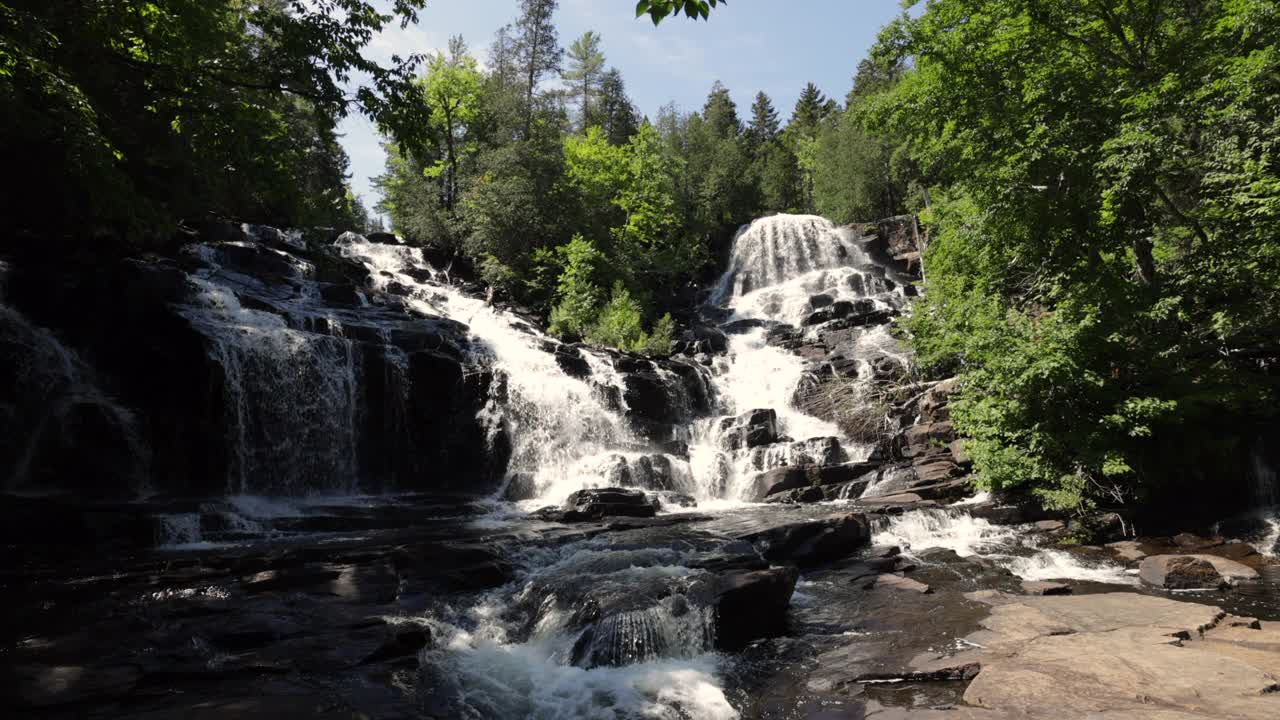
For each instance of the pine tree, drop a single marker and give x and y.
(585, 74)
(764, 123)
(537, 49)
(616, 113)
(811, 108)
(721, 113)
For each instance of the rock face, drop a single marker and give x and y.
(1183, 572)
(1116, 655)
(750, 429)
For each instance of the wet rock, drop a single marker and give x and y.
(794, 477)
(403, 641)
(1128, 550)
(739, 327)
(811, 542)
(520, 486)
(593, 504)
(678, 448)
(1039, 587)
(752, 605)
(820, 301)
(1180, 572)
(897, 582)
(40, 686)
(570, 360)
(750, 429)
(385, 238)
(675, 499)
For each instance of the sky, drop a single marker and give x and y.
(749, 45)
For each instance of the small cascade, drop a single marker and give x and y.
(563, 432)
(1007, 545)
(59, 415)
(291, 395)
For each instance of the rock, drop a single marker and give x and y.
(39, 686)
(384, 238)
(570, 360)
(750, 429)
(820, 301)
(520, 486)
(402, 641)
(1049, 526)
(678, 448)
(792, 477)
(1190, 541)
(934, 403)
(811, 542)
(1038, 587)
(1180, 572)
(675, 499)
(1115, 655)
(593, 504)
(1127, 550)
(752, 605)
(897, 582)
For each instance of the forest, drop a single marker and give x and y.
(1099, 182)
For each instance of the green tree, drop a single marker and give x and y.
(763, 128)
(453, 94)
(585, 75)
(1103, 257)
(536, 49)
(720, 113)
(578, 296)
(617, 114)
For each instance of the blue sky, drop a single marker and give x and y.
(750, 45)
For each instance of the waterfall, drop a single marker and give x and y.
(783, 268)
(59, 414)
(290, 395)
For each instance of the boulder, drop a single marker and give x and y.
(752, 605)
(1182, 572)
(750, 429)
(596, 503)
(820, 301)
(520, 486)
(811, 542)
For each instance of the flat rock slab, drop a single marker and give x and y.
(1039, 587)
(1119, 655)
(897, 582)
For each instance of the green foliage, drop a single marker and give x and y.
(130, 115)
(577, 292)
(619, 324)
(1103, 256)
(658, 10)
(585, 75)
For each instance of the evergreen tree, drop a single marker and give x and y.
(585, 75)
(617, 115)
(764, 123)
(720, 112)
(536, 49)
(811, 108)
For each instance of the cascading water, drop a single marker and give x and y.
(290, 395)
(60, 404)
(783, 268)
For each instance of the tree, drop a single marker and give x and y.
(453, 94)
(780, 180)
(585, 74)
(130, 115)
(764, 123)
(721, 113)
(1103, 256)
(617, 114)
(811, 107)
(536, 49)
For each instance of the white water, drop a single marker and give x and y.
(291, 396)
(58, 382)
(1007, 545)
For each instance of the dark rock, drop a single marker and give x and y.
(520, 486)
(811, 542)
(402, 641)
(678, 448)
(738, 327)
(570, 360)
(751, 429)
(820, 301)
(596, 503)
(385, 238)
(752, 605)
